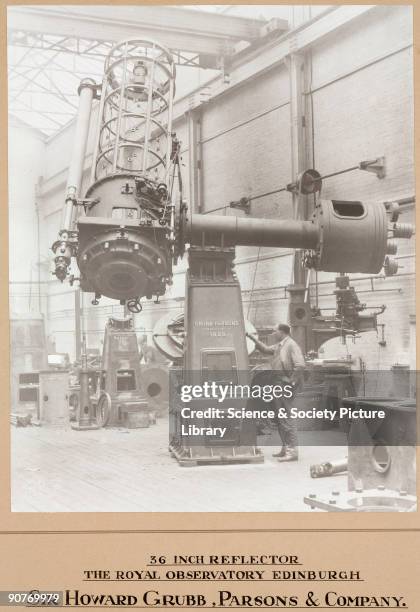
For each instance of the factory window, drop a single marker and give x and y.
(29, 378)
(126, 380)
(125, 213)
(348, 209)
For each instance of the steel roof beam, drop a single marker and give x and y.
(81, 47)
(253, 62)
(182, 29)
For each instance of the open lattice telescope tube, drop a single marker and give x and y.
(135, 114)
(132, 224)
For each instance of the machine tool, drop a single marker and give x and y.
(132, 224)
(28, 357)
(155, 380)
(122, 399)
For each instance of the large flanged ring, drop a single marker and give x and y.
(103, 409)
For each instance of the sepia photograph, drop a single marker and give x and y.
(211, 258)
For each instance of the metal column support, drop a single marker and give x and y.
(298, 123)
(296, 63)
(86, 418)
(184, 29)
(77, 324)
(195, 160)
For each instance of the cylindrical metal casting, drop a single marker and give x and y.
(352, 236)
(218, 230)
(74, 179)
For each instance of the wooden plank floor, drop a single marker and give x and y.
(119, 470)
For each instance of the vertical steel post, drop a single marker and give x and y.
(86, 417)
(297, 127)
(297, 68)
(195, 157)
(77, 324)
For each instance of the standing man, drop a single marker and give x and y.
(287, 363)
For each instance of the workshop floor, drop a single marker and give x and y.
(119, 470)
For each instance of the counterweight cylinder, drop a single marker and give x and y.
(341, 236)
